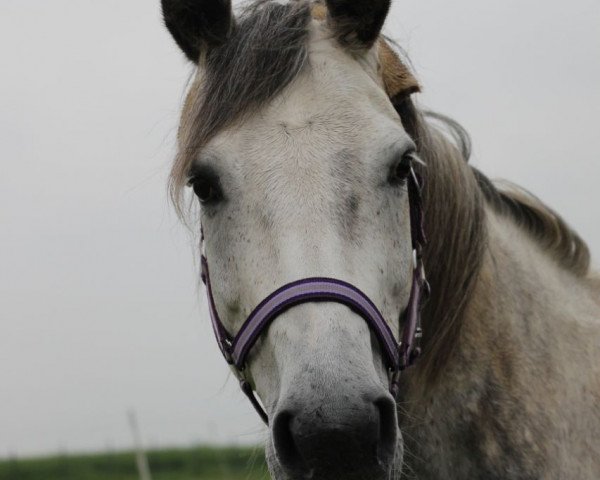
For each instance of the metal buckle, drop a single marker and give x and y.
(418, 333)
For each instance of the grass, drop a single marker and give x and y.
(200, 463)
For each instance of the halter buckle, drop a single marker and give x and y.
(418, 333)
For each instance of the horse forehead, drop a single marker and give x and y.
(305, 144)
(324, 112)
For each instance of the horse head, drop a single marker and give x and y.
(291, 140)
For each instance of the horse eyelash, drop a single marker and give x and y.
(415, 158)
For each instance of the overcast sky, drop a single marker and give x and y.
(99, 305)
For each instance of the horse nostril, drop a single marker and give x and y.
(388, 429)
(346, 441)
(285, 444)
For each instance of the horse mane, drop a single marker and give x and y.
(454, 218)
(545, 225)
(455, 198)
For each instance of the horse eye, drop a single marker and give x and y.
(401, 170)
(205, 190)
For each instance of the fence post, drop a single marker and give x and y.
(140, 455)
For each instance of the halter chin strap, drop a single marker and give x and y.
(397, 355)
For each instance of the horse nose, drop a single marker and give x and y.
(344, 441)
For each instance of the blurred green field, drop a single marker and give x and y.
(200, 463)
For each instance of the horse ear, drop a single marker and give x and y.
(357, 23)
(198, 24)
(398, 80)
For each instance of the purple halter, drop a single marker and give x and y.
(397, 355)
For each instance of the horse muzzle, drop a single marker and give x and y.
(344, 431)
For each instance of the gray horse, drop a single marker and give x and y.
(295, 137)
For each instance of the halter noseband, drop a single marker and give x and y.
(397, 355)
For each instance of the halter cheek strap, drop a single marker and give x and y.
(397, 355)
